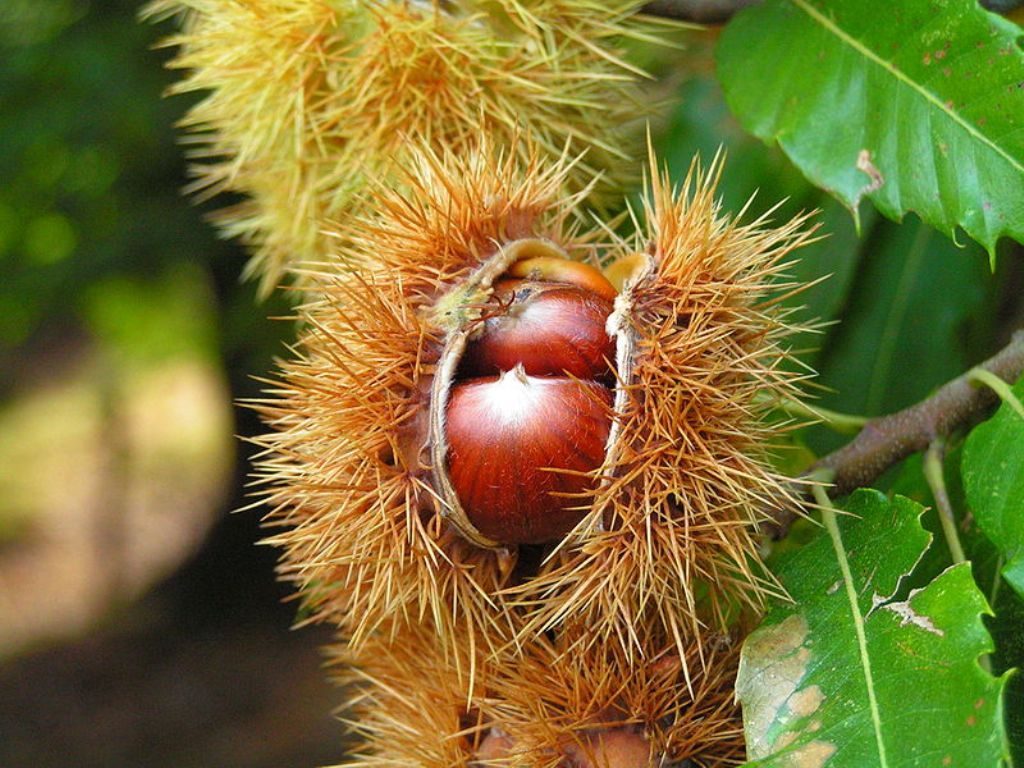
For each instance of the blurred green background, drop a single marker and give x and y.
(139, 624)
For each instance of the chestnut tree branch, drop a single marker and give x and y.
(888, 439)
(699, 11)
(720, 11)
(957, 405)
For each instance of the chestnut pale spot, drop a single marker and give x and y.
(511, 399)
(520, 448)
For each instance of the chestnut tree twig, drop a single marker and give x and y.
(700, 11)
(888, 439)
(720, 11)
(957, 405)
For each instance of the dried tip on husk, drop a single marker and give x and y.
(540, 709)
(305, 101)
(672, 536)
(346, 469)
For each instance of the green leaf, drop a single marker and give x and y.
(910, 482)
(993, 474)
(1005, 625)
(913, 297)
(856, 674)
(915, 105)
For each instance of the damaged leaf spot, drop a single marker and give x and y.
(865, 165)
(806, 702)
(812, 755)
(770, 697)
(909, 616)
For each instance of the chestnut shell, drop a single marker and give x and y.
(551, 329)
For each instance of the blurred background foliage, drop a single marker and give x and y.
(138, 623)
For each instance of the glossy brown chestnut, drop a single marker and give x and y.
(519, 448)
(551, 329)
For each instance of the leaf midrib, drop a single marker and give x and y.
(829, 519)
(870, 55)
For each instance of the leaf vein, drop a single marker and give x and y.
(829, 518)
(830, 26)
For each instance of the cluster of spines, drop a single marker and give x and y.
(361, 527)
(664, 566)
(360, 135)
(541, 708)
(307, 101)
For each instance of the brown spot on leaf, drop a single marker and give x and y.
(785, 740)
(773, 663)
(865, 165)
(813, 755)
(806, 702)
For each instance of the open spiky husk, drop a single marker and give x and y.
(308, 100)
(670, 544)
(671, 541)
(347, 468)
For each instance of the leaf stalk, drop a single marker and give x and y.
(933, 473)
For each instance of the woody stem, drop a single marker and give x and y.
(884, 441)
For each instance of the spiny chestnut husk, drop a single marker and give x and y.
(396, 501)
(408, 703)
(539, 708)
(307, 104)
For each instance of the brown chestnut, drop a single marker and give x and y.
(551, 329)
(520, 448)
